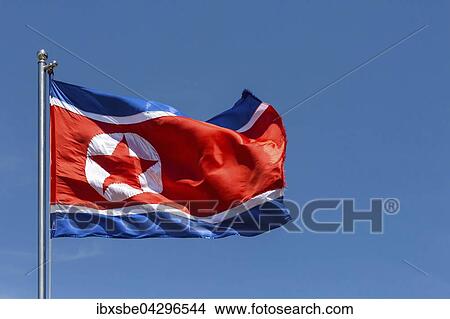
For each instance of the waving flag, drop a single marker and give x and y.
(129, 168)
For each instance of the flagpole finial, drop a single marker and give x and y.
(42, 55)
(51, 66)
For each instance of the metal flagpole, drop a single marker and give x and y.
(43, 236)
(42, 233)
(49, 69)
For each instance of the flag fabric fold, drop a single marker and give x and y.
(129, 168)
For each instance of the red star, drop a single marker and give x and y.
(122, 167)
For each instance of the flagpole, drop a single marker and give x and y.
(42, 238)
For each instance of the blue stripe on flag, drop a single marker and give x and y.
(239, 115)
(255, 221)
(93, 101)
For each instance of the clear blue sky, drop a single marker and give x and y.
(383, 131)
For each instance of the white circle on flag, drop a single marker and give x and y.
(104, 144)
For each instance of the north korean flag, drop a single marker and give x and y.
(129, 168)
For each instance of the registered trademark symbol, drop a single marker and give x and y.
(391, 205)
